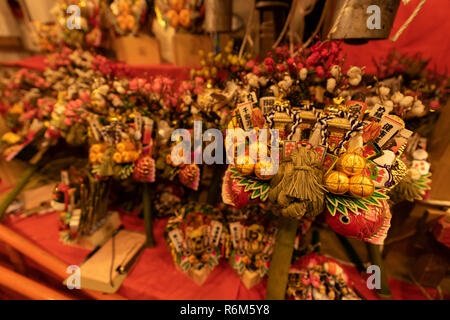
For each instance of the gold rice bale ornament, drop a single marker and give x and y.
(361, 186)
(351, 164)
(337, 182)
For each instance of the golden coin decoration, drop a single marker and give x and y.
(336, 182)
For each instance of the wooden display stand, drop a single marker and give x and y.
(10, 172)
(137, 50)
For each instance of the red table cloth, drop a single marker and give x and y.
(154, 275)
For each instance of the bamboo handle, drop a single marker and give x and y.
(150, 242)
(17, 189)
(281, 258)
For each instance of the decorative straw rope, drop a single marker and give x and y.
(338, 19)
(247, 37)
(287, 23)
(408, 21)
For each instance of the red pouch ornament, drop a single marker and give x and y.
(189, 176)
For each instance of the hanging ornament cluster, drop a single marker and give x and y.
(336, 152)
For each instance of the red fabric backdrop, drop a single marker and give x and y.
(427, 34)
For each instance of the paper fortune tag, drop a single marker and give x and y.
(371, 150)
(148, 128)
(389, 127)
(356, 108)
(36, 125)
(400, 139)
(266, 104)
(251, 97)
(177, 239)
(383, 176)
(378, 111)
(245, 111)
(137, 126)
(95, 130)
(216, 232)
(235, 231)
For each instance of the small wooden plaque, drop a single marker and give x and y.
(106, 269)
